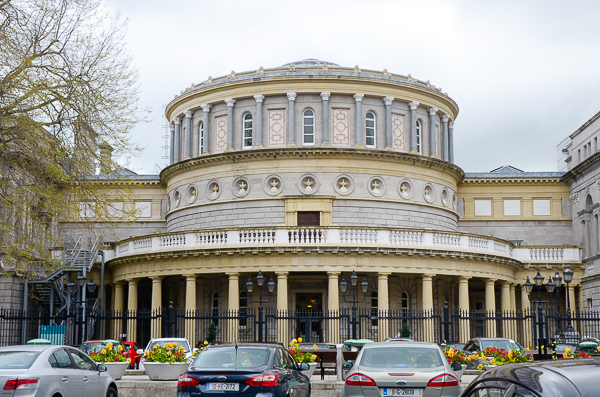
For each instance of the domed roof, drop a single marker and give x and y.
(310, 63)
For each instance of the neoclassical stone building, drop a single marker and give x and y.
(310, 171)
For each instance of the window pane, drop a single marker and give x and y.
(308, 113)
(308, 121)
(17, 359)
(308, 139)
(370, 141)
(308, 129)
(370, 123)
(483, 207)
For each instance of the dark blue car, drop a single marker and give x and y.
(245, 370)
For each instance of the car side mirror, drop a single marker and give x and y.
(456, 366)
(304, 367)
(195, 349)
(347, 365)
(139, 351)
(102, 368)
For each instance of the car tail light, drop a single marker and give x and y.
(443, 381)
(359, 380)
(187, 381)
(263, 380)
(21, 384)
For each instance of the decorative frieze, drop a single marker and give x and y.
(277, 128)
(398, 132)
(340, 121)
(220, 134)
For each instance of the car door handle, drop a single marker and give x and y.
(65, 379)
(85, 378)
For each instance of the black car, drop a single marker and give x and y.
(556, 378)
(245, 370)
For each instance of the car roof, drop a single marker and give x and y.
(273, 345)
(159, 339)
(399, 343)
(31, 348)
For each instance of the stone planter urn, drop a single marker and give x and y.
(116, 370)
(311, 370)
(165, 371)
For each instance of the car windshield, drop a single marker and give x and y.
(226, 357)
(162, 343)
(401, 357)
(500, 344)
(97, 347)
(17, 360)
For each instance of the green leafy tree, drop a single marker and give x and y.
(211, 338)
(405, 331)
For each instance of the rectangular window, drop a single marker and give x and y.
(248, 131)
(87, 209)
(370, 130)
(541, 207)
(483, 207)
(143, 209)
(306, 218)
(114, 209)
(512, 207)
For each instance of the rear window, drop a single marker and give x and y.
(226, 357)
(162, 343)
(17, 360)
(500, 344)
(401, 357)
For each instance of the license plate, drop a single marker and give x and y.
(403, 391)
(223, 386)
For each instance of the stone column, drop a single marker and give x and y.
(451, 141)
(358, 121)
(205, 118)
(528, 323)
(176, 153)
(490, 307)
(156, 305)
(428, 307)
(282, 306)
(387, 101)
(188, 133)
(413, 126)
(333, 306)
(259, 121)
(383, 304)
(505, 308)
(445, 119)
(464, 307)
(432, 134)
(230, 102)
(172, 148)
(119, 305)
(190, 308)
(291, 120)
(233, 306)
(132, 305)
(513, 309)
(325, 96)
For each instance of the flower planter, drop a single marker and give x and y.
(165, 371)
(310, 370)
(116, 370)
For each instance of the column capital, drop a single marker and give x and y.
(413, 105)
(490, 281)
(156, 279)
(334, 274)
(177, 120)
(172, 127)
(291, 96)
(282, 274)
(259, 98)
(451, 124)
(359, 97)
(206, 107)
(233, 275)
(325, 95)
(427, 276)
(445, 118)
(464, 279)
(188, 114)
(387, 101)
(191, 276)
(230, 102)
(432, 111)
(133, 280)
(383, 274)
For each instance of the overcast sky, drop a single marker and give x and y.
(525, 74)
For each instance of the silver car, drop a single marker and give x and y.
(401, 369)
(43, 370)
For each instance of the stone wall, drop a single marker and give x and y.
(531, 232)
(11, 293)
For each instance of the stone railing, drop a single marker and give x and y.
(374, 238)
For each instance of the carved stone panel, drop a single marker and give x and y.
(398, 132)
(340, 125)
(277, 129)
(220, 134)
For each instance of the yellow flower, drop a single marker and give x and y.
(480, 366)
(484, 358)
(173, 344)
(146, 353)
(314, 357)
(205, 342)
(128, 360)
(109, 346)
(451, 353)
(568, 350)
(565, 355)
(293, 341)
(120, 348)
(300, 340)
(315, 347)
(598, 348)
(103, 351)
(181, 348)
(155, 347)
(493, 361)
(527, 348)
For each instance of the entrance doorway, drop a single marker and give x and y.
(309, 309)
(307, 218)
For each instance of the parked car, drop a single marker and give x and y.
(588, 346)
(96, 346)
(456, 346)
(252, 369)
(132, 352)
(480, 344)
(162, 341)
(401, 369)
(47, 370)
(400, 339)
(320, 346)
(553, 378)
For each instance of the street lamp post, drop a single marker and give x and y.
(558, 281)
(76, 295)
(260, 280)
(538, 282)
(568, 277)
(344, 286)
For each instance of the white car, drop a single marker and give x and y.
(162, 341)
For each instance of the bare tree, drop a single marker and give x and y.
(67, 89)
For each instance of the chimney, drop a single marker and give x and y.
(105, 157)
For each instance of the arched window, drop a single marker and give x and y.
(201, 138)
(419, 136)
(404, 304)
(215, 307)
(243, 309)
(374, 308)
(248, 131)
(308, 128)
(370, 132)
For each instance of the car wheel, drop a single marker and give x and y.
(111, 392)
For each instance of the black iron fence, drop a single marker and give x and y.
(335, 326)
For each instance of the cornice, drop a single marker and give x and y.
(122, 182)
(512, 180)
(585, 125)
(589, 164)
(297, 153)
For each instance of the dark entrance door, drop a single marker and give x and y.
(306, 218)
(309, 326)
